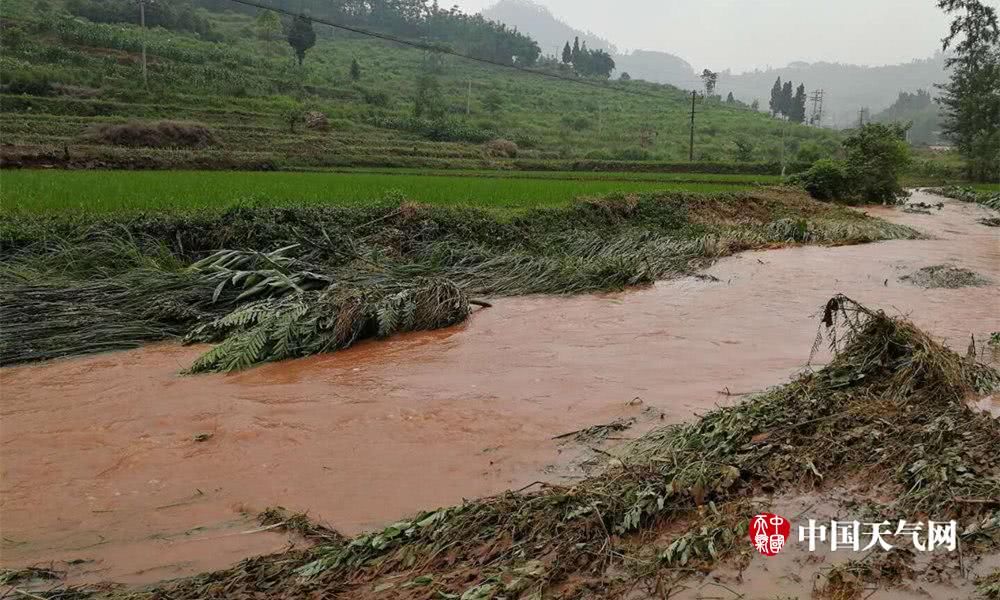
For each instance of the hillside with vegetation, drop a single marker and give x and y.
(232, 94)
(921, 111)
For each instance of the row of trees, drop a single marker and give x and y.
(790, 105)
(179, 15)
(588, 63)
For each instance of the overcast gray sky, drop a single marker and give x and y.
(744, 34)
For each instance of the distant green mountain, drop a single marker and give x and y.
(551, 34)
(847, 88)
(544, 27)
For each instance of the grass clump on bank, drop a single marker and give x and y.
(275, 283)
(890, 406)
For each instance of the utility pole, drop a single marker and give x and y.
(862, 113)
(468, 99)
(691, 147)
(817, 112)
(784, 128)
(142, 24)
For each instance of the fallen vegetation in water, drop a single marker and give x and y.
(970, 194)
(274, 283)
(945, 276)
(989, 586)
(13, 577)
(890, 408)
(921, 208)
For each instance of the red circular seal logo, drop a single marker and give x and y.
(769, 532)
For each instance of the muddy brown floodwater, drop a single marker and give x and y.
(100, 465)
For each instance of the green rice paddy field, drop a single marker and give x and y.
(107, 191)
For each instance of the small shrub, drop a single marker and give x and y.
(744, 150)
(579, 123)
(493, 103)
(373, 97)
(524, 140)
(810, 152)
(161, 134)
(317, 120)
(437, 130)
(27, 82)
(825, 180)
(500, 148)
(632, 154)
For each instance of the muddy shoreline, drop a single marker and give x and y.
(102, 463)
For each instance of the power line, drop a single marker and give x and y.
(443, 50)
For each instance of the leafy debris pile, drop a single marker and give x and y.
(945, 276)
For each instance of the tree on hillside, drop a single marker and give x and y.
(301, 37)
(971, 100)
(355, 70)
(744, 149)
(600, 64)
(921, 110)
(709, 78)
(775, 103)
(268, 27)
(428, 100)
(730, 99)
(493, 102)
(588, 63)
(877, 154)
(787, 98)
(797, 111)
(755, 105)
(293, 113)
(625, 76)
